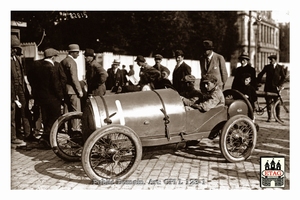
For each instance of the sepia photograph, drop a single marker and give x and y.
(150, 99)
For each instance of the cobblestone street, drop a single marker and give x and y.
(200, 167)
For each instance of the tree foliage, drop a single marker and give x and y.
(132, 32)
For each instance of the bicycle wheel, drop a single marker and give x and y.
(284, 110)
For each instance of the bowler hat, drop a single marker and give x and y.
(158, 57)
(73, 47)
(189, 78)
(208, 45)
(89, 52)
(179, 53)
(50, 52)
(273, 57)
(244, 56)
(209, 78)
(116, 61)
(140, 58)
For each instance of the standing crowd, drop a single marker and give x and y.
(52, 88)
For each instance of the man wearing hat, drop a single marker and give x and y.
(141, 61)
(211, 96)
(18, 90)
(158, 58)
(96, 75)
(115, 80)
(275, 76)
(213, 63)
(180, 71)
(190, 95)
(73, 87)
(145, 68)
(49, 92)
(238, 81)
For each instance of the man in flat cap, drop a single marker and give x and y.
(73, 87)
(180, 71)
(213, 63)
(145, 68)
(190, 94)
(246, 67)
(49, 92)
(96, 75)
(275, 76)
(158, 58)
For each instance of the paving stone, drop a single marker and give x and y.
(42, 170)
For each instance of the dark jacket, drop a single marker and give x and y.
(274, 77)
(250, 91)
(114, 80)
(178, 74)
(48, 86)
(96, 77)
(238, 81)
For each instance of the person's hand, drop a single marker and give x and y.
(279, 88)
(30, 104)
(229, 97)
(247, 96)
(80, 94)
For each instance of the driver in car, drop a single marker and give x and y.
(211, 95)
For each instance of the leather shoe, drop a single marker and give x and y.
(44, 144)
(31, 138)
(268, 120)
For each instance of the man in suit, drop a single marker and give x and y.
(73, 87)
(213, 63)
(158, 58)
(95, 74)
(49, 93)
(115, 79)
(17, 88)
(275, 76)
(180, 71)
(238, 81)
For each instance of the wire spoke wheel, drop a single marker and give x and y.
(111, 154)
(238, 138)
(65, 142)
(284, 109)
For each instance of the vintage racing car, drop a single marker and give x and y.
(116, 127)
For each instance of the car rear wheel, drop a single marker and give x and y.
(238, 138)
(67, 144)
(112, 152)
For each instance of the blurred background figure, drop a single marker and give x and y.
(115, 79)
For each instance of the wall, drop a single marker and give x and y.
(127, 60)
(170, 63)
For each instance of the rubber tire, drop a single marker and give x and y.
(287, 104)
(99, 133)
(232, 121)
(54, 132)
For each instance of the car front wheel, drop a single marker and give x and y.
(238, 138)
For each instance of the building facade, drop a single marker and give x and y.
(259, 36)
